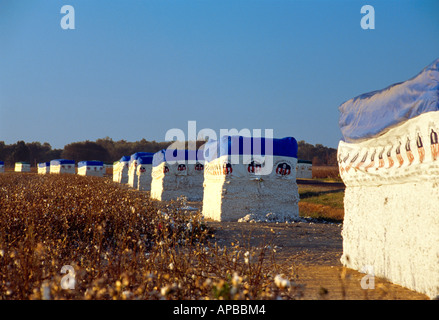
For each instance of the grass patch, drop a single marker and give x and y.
(322, 204)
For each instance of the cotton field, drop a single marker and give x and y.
(84, 237)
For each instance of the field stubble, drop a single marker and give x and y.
(122, 245)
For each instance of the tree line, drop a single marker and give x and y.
(109, 151)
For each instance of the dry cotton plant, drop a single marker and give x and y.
(119, 244)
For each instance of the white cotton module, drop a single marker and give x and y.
(62, 166)
(241, 181)
(391, 171)
(120, 170)
(43, 167)
(132, 167)
(144, 170)
(22, 167)
(91, 168)
(176, 173)
(304, 169)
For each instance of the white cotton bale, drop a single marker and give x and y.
(61, 166)
(389, 162)
(234, 186)
(115, 171)
(120, 170)
(132, 167)
(391, 201)
(144, 171)
(91, 168)
(304, 169)
(43, 167)
(22, 167)
(181, 176)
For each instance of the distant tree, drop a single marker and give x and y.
(21, 152)
(318, 154)
(86, 150)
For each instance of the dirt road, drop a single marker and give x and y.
(313, 249)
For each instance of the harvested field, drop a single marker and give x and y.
(122, 245)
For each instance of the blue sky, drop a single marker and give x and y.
(135, 69)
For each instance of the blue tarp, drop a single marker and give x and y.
(238, 145)
(137, 155)
(44, 164)
(374, 113)
(58, 162)
(170, 155)
(125, 159)
(145, 160)
(2, 163)
(90, 163)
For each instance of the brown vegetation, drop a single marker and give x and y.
(120, 244)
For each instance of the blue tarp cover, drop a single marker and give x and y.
(43, 164)
(137, 155)
(145, 160)
(374, 113)
(169, 155)
(58, 162)
(235, 145)
(90, 163)
(125, 159)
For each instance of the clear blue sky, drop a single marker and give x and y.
(134, 69)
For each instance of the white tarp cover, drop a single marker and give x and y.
(372, 114)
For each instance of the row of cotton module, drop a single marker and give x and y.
(231, 182)
(85, 168)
